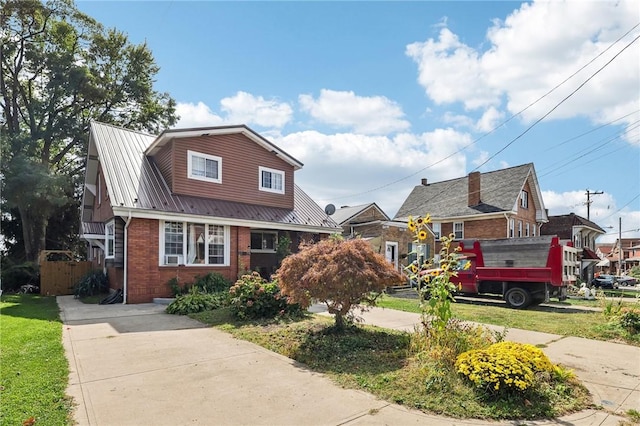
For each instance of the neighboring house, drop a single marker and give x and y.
(387, 237)
(603, 250)
(582, 233)
(630, 255)
(188, 202)
(504, 203)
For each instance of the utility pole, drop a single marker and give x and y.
(620, 255)
(589, 194)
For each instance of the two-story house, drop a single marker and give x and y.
(505, 203)
(582, 233)
(188, 202)
(621, 261)
(387, 237)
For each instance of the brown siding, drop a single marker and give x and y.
(241, 158)
(102, 211)
(164, 160)
(526, 215)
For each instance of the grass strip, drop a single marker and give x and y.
(34, 371)
(561, 321)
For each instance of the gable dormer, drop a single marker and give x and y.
(225, 163)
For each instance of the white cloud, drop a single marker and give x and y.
(451, 72)
(242, 108)
(458, 120)
(344, 169)
(248, 109)
(489, 120)
(534, 49)
(196, 115)
(372, 115)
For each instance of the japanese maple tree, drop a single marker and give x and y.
(343, 274)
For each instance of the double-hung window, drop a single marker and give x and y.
(204, 167)
(519, 229)
(458, 230)
(271, 180)
(186, 243)
(110, 240)
(524, 199)
(527, 231)
(437, 229)
(512, 225)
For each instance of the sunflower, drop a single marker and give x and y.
(411, 225)
(422, 235)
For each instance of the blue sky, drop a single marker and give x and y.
(374, 96)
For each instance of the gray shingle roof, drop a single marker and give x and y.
(562, 225)
(135, 183)
(345, 213)
(499, 193)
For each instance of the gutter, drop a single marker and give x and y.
(126, 259)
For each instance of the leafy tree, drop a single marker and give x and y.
(60, 69)
(339, 273)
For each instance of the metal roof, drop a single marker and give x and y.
(499, 192)
(135, 184)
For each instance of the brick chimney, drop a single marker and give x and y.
(424, 181)
(474, 189)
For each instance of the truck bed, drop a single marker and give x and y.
(541, 275)
(528, 252)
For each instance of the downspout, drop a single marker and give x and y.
(126, 259)
(506, 216)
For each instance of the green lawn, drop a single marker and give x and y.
(33, 368)
(565, 322)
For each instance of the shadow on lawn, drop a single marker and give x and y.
(357, 350)
(31, 306)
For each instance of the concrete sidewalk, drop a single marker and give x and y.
(134, 365)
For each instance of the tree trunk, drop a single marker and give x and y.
(340, 323)
(34, 228)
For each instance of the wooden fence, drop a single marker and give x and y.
(59, 272)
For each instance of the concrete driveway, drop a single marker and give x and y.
(136, 365)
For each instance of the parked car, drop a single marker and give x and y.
(626, 280)
(604, 281)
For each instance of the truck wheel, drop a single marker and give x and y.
(517, 298)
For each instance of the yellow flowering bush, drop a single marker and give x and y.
(504, 366)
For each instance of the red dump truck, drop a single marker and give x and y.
(524, 271)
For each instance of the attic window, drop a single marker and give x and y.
(271, 180)
(524, 199)
(204, 167)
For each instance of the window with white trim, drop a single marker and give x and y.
(204, 167)
(533, 230)
(458, 230)
(526, 229)
(519, 229)
(524, 199)
(271, 180)
(512, 225)
(203, 244)
(437, 229)
(264, 241)
(110, 240)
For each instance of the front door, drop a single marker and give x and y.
(391, 253)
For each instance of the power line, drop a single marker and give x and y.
(509, 119)
(558, 104)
